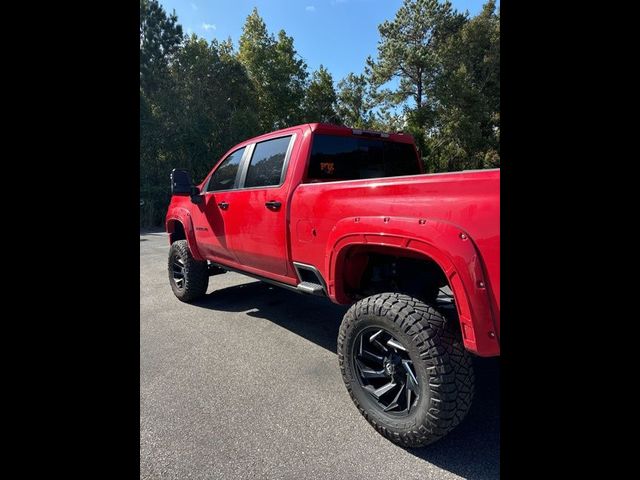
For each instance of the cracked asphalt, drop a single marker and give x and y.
(245, 385)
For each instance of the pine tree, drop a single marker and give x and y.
(320, 100)
(278, 76)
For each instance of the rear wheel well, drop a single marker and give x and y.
(371, 270)
(176, 231)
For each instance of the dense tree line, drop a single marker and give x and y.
(199, 98)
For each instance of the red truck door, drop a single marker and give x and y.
(210, 216)
(256, 215)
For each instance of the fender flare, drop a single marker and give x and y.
(183, 216)
(445, 243)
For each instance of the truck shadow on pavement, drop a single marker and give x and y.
(472, 450)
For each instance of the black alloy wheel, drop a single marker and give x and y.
(386, 371)
(177, 270)
(189, 278)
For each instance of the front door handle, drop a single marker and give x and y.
(223, 205)
(273, 204)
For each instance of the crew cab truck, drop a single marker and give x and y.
(349, 214)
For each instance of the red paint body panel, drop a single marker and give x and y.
(450, 218)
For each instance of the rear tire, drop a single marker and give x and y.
(441, 373)
(189, 278)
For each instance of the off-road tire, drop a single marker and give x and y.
(442, 366)
(196, 275)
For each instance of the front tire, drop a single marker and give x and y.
(405, 368)
(189, 278)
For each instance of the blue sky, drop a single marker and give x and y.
(338, 34)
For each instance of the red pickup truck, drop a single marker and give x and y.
(350, 215)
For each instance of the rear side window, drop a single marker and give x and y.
(225, 175)
(336, 158)
(267, 161)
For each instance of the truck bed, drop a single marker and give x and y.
(469, 200)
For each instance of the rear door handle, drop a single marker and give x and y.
(223, 205)
(273, 204)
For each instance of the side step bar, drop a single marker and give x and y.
(311, 281)
(214, 270)
(306, 273)
(311, 288)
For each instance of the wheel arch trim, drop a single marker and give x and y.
(444, 243)
(183, 216)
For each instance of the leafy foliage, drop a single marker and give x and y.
(160, 37)
(355, 105)
(276, 74)
(447, 68)
(319, 104)
(466, 130)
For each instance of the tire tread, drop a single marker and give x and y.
(451, 378)
(196, 273)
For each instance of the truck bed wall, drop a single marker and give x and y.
(468, 200)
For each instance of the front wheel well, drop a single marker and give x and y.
(369, 270)
(176, 231)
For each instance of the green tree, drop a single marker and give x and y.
(214, 104)
(276, 73)
(447, 68)
(160, 38)
(319, 104)
(354, 104)
(408, 49)
(467, 131)
(196, 101)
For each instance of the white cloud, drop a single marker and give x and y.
(310, 8)
(209, 26)
(194, 6)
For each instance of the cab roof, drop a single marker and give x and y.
(330, 129)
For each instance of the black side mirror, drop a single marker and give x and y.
(195, 195)
(181, 183)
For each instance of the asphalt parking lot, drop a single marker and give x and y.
(245, 384)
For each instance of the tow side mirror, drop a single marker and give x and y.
(181, 183)
(195, 195)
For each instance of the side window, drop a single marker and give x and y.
(225, 175)
(267, 161)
